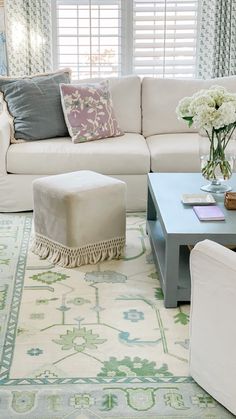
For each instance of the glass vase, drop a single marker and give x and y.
(217, 164)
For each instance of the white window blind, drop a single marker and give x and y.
(99, 38)
(87, 37)
(165, 34)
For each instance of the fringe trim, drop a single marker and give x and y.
(71, 257)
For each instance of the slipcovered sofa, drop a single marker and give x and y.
(155, 140)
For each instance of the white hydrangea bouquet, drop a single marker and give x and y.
(213, 112)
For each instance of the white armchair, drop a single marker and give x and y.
(213, 321)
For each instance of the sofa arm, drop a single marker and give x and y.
(213, 278)
(212, 328)
(4, 141)
(207, 259)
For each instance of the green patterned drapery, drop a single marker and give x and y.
(28, 24)
(3, 58)
(217, 38)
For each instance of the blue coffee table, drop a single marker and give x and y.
(172, 226)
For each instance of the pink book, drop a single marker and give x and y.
(209, 213)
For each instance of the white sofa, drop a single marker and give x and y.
(154, 140)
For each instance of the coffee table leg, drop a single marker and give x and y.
(151, 210)
(171, 274)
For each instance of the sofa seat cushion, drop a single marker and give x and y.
(120, 155)
(174, 152)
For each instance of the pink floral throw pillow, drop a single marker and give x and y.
(88, 111)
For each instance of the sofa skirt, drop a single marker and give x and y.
(16, 192)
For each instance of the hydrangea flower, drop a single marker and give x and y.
(208, 109)
(213, 112)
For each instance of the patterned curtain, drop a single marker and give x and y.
(28, 33)
(217, 40)
(3, 57)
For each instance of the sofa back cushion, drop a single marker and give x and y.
(126, 99)
(34, 107)
(160, 98)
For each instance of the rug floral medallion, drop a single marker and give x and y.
(92, 342)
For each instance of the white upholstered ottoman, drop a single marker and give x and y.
(79, 218)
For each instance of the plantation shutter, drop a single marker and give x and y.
(101, 38)
(165, 35)
(87, 37)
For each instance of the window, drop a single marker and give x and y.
(99, 38)
(165, 38)
(88, 37)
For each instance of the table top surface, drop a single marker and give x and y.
(167, 190)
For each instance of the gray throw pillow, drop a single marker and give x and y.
(34, 105)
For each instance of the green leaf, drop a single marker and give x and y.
(189, 119)
(159, 294)
(226, 128)
(181, 318)
(109, 402)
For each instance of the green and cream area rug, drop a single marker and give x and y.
(92, 342)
